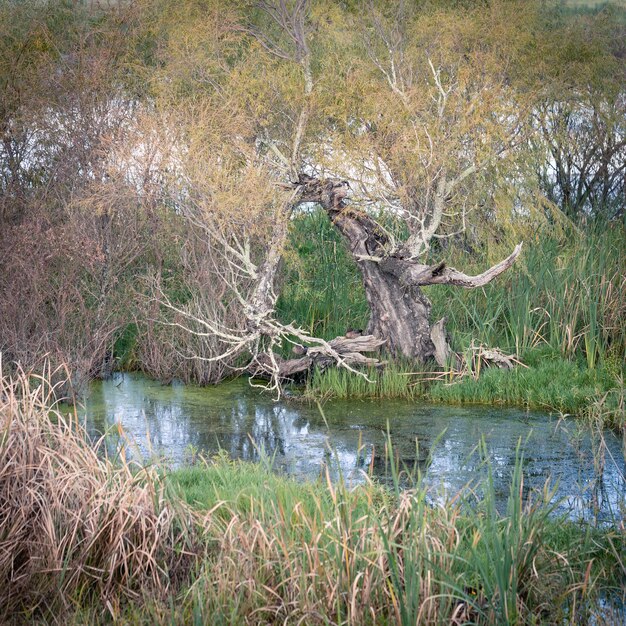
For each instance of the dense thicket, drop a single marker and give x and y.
(146, 152)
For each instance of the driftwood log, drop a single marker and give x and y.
(349, 350)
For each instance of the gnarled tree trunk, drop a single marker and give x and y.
(399, 310)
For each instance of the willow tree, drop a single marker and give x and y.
(402, 110)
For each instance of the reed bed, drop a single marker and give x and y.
(397, 379)
(86, 539)
(73, 524)
(322, 554)
(568, 294)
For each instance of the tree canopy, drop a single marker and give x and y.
(416, 126)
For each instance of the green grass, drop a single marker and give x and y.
(321, 287)
(248, 488)
(552, 384)
(394, 380)
(226, 542)
(549, 383)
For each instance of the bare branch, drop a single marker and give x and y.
(451, 276)
(411, 273)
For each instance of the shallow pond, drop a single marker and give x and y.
(176, 422)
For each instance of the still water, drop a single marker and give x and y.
(176, 422)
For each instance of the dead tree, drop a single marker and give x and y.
(393, 277)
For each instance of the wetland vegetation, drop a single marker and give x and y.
(229, 542)
(229, 234)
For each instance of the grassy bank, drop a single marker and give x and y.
(86, 540)
(548, 382)
(561, 308)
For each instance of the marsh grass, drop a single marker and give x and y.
(321, 287)
(549, 383)
(74, 525)
(609, 410)
(397, 379)
(84, 539)
(567, 294)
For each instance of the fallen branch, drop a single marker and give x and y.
(343, 351)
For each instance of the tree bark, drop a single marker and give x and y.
(399, 310)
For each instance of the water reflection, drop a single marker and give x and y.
(350, 439)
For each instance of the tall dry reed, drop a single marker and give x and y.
(72, 523)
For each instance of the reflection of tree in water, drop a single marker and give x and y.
(352, 438)
(407, 465)
(252, 430)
